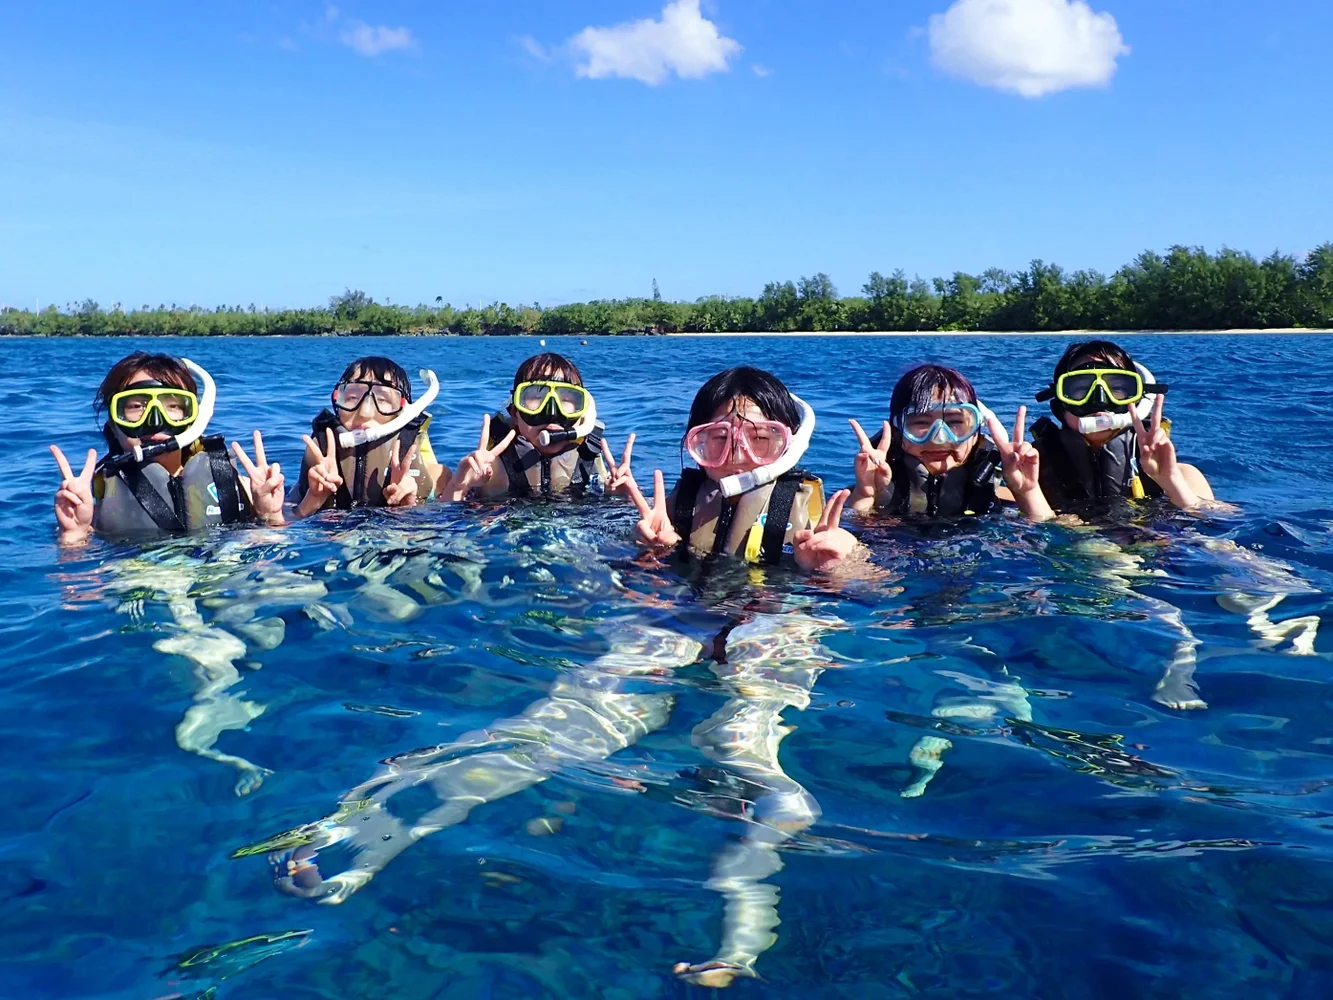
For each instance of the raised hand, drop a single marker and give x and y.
(266, 481)
(827, 543)
(74, 498)
(401, 489)
(324, 477)
(621, 476)
(654, 527)
(1157, 455)
(479, 466)
(873, 473)
(1022, 465)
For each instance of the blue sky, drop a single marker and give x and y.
(275, 153)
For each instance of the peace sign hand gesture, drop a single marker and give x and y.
(1157, 457)
(873, 473)
(621, 477)
(74, 498)
(401, 489)
(827, 543)
(654, 527)
(1022, 465)
(323, 477)
(266, 481)
(478, 467)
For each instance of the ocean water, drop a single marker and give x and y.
(616, 722)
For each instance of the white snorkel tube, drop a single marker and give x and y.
(142, 453)
(1100, 422)
(745, 481)
(377, 432)
(578, 432)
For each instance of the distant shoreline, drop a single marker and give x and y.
(1009, 333)
(845, 334)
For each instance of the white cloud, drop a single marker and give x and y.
(373, 40)
(533, 48)
(1027, 47)
(761, 71)
(683, 42)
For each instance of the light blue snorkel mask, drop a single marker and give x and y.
(946, 424)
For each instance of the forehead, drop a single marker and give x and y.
(368, 375)
(746, 409)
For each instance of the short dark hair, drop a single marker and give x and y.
(382, 370)
(1093, 350)
(545, 367)
(162, 367)
(918, 389)
(767, 391)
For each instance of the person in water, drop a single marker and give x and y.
(373, 448)
(1097, 447)
(931, 458)
(746, 498)
(546, 441)
(161, 475)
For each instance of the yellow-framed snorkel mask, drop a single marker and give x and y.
(551, 402)
(1119, 386)
(150, 407)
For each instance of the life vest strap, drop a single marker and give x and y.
(164, 515)
(224, 478)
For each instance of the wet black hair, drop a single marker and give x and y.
(381, 370)
(545, 367)
(765, 390)
(163, 368)
(1090, 350)
(926, 384)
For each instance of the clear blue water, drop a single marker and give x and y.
(1079, 840)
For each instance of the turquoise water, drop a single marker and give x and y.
(1078, 839)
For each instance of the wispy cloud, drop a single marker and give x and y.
(761, 71)
(1027, 47)
(534, 48)
(683, 42)
(374, 40)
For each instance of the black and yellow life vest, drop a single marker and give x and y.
(967, 490)
(757, 527)
(148, 501)
(578, 470)
(1072, 471)
(365, 468)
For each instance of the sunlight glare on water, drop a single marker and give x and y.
(977, 796)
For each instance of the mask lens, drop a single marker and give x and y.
(129, 409)
(1123, 387)
(178, 406)
(1076, 387)
(709, 444)
(388, 399)
(962, 421)
(348, 395)
(571, 399)
(766, 441)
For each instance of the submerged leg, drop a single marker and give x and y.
(590, 713)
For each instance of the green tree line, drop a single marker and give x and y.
(1186, 288)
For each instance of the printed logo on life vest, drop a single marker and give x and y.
(213, 492)
(213, 510)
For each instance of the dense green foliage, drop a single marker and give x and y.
(1187, 289)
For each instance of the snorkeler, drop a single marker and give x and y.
(547, 441)
(746, 498)
(373, 448)
(1097, 447)
(161, 475)
(939, 464)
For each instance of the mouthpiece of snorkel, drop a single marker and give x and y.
(1098, 423)
(377, 432)
(581, 429)
(140, 454)
(745, 481)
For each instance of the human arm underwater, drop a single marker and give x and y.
(479, 469)
(1022, 466)
(1184, 485)
(74, 504)
(873, 473)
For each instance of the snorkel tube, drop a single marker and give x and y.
(745, 481)
(140, 454)
(1100, 422)
(578, 432)
(377, 432)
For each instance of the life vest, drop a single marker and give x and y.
(1072, 471)
(758, 527)
(365, 468)
(147, 500)
(578, 469)
(968, 490)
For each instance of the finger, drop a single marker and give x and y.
(833, 512)
(1157, 412)
(1020, 425)
(504, 443)
(261, 459)
(998, 434)
(89, 467)
(1138, 425)
(312, 449)
(251, 471)
(275, 473)
(65, 471)
(862, 437)
(629, 450)
(639, 500)
(69, 497)
(332, 453)
(395, 458)
(607, 457)
(659, 491)
(886, 437)
(803, 536)
(411, 456)
(485, 432)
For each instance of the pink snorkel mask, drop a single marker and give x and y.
(758, 441)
